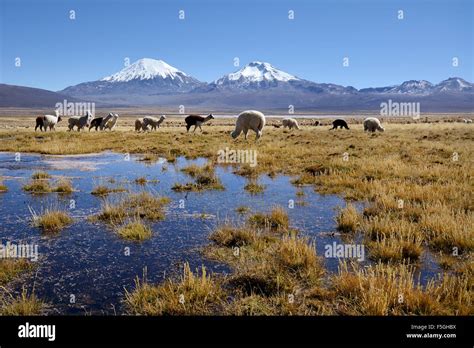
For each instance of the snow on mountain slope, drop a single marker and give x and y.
(146, 69)
(454, 84)
(256, 72)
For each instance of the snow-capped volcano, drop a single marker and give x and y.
(145, 77)
(454, 84)
(256, 74)
(146, 69)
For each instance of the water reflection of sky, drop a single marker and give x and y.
(89, 261)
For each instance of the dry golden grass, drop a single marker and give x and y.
(385, 289)
(40, 175)
(254, 188)
(191, 294)
(22, 305)
(52, 220)
(11, 268)
(38, 186)
(348, 219)
(3, 187)
(416, 180)
(276, 220)
(102, 190)
(64, 186)
(135, 230)
(141, 181)
(204, 179)
(143, 205)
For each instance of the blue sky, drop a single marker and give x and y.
(57, 52)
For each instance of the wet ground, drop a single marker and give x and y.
(87, 262)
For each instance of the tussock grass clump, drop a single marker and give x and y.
(135, 230)
(111, 213)
(397, 247)
(191, 294)
(22, 305)
(447, 230)
(10, 268)
(229, 236)
(276, 220)
(204, 179)
(149, 157)
(348, 219)
(145, 205)
(64, 186)
(52, 220)
(254, 188)
(141, 181)
(102, 190)
(40, 175)
(38, 186)
(3, 187)
(387, 289)
(142, 205)
(242, 209)
(266, 270)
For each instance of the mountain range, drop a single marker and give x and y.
(257, 85)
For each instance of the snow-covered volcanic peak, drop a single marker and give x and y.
(454, 84)
(257, 72)
(413, 86)
(146, 69)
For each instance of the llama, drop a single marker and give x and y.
(139, 125)
(372, 124)
(152, 121)
(249, 119)
(339, 123)
(316, 123)
(196, 121)
(48, 121)
(80, 121)
(95, 123)
(109, 122)
(290, 123)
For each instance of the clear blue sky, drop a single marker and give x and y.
(57, 52)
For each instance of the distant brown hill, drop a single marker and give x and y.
(19, 96)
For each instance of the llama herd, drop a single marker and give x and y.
(247, 120)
